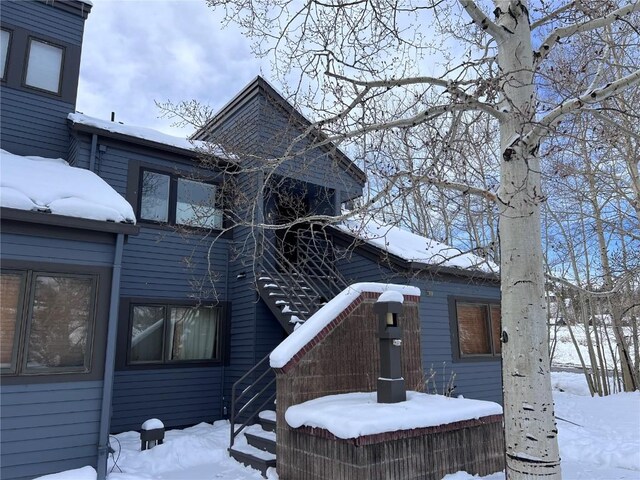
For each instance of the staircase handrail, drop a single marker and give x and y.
(334, 281)
(269, 255)
(232, 417)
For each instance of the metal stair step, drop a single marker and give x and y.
(267, 419)
(254, 458)
(262, 440)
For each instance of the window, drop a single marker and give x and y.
(4, 53)
(165, 333)
(44, 66)
(167, 198)
(476, 328)
(47, 322)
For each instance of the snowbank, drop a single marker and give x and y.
(52, 185)
(150, 135)
(353, 415)
(309, 329)
(606, 445)
(412, 247)
(84, 473)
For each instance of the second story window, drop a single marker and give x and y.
(166, 198)
(44, 66)
(6, 40)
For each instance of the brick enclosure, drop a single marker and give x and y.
(344, 358)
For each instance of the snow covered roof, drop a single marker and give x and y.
(413, 248)
(331, 311)
(150, 135)
(51, 185)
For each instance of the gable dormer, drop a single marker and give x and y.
(41, 46)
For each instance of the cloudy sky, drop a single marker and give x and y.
(136, 52)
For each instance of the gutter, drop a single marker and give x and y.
(109, 362)
(92, 155)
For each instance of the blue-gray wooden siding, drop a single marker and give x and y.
(481, 379)
(315, 166)
(50, 427)
(158, 262)
(33, 123)
(42, 19)
(254, 329)
(161, 263)
(177, 396)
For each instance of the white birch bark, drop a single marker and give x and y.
(530, 429)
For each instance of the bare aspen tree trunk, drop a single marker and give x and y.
(530, 429)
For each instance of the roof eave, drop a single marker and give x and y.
(417, 266)
(457, 272)
(191, 154)
(42, 218)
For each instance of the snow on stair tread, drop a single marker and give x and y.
(258, 431)
(268, 415)
(256, 452)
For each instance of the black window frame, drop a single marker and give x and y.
(174, 177)
(25, 319)
(7, 58)
(457, 355)
(25, 68)
(124, 343)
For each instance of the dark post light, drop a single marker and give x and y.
(391, 388)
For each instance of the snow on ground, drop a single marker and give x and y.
(565, 355)
(52, 185)
(352, 415)
(195, 453)
(602, 442)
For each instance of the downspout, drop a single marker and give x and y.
(92, 155)
(109, 361)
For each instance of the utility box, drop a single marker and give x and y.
(391, 384)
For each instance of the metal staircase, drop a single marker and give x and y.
(293, 290)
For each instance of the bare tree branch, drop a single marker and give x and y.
(563, 32)
(552, 16)
(480, 19)
(576, 104)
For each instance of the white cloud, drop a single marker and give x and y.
(138, 52)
